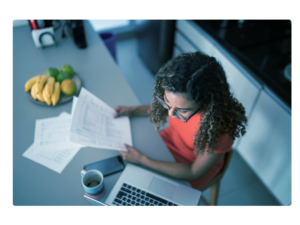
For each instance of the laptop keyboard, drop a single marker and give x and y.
(130, 195)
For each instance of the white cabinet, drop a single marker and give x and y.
(266, 147)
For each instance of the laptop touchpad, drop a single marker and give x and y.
(162, 187)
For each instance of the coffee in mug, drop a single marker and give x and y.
(93, 183)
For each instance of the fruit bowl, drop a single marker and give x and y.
(63, 98)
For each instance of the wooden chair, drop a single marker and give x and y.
(214, 184)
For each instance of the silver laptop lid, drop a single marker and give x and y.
(155, 184)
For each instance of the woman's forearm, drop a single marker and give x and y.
(143, 110)
(180, 171)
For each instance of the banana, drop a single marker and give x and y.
(46, 97)
(56, 93)
(50, 85)
(46, 94)
(40, 84)
(33, 91)
(40, 96)
(30, 83)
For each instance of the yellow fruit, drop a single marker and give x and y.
(33, 91)
(45, 91)
(30, 83)
(46, 97)
(68, 87)
(50, 85)
(40, 84)
(40, 96)
(56, 93)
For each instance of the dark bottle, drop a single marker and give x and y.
(78, 33)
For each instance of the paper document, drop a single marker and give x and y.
(56, 158)
(75, 99)
(53, 133)
(93, 124)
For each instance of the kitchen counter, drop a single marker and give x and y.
(262, 46)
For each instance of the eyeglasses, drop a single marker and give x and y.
(181, 117)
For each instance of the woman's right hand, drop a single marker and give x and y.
(123, 111)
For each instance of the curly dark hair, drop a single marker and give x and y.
(203, 79)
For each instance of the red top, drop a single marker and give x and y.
(179, 138)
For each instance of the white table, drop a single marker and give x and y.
(34, 184)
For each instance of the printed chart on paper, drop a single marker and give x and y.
(93, 124)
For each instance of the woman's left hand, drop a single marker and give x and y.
(132, 155)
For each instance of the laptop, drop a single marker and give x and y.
(137, 186)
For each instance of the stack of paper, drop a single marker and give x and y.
(91, 123)
(52, 147)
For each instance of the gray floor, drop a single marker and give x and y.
(239, 186)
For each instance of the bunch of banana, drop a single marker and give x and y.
(44, 89)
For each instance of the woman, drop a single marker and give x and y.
(192, 90)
